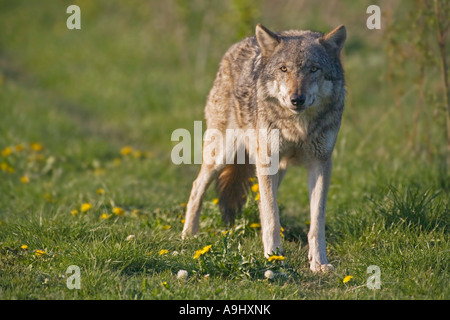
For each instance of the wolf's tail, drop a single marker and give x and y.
(232, 187)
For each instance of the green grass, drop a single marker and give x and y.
(132, 75)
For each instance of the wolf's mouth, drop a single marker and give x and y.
(297, 110)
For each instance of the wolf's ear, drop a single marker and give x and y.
(334, 40)
(267, 40)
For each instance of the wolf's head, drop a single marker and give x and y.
(300, 68)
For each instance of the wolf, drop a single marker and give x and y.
(291, 82)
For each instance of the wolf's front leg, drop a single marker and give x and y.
(319, 173)
(268, 210)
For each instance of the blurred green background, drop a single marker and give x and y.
(137, 70)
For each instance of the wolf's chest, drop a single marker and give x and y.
(308, 138)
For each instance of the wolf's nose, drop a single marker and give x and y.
(298, 100)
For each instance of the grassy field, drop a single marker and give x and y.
(86, 176)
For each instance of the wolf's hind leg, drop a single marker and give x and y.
(282, 171)
(194, 206)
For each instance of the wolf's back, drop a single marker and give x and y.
(232, 97)
(231, 104)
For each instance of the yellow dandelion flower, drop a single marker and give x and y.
(255, 225)
(126, 150)
(215, 201)
(74, 212)
(99, 171)
(116, 162)
(37, 146)
(18, 147)
(255, 187)
(257, 197)
(5, 167)
(100, 191)
(105, 216)
(118, 211)
(6, 152)
(40, 253)
(183, 204)
(36, 157)
(197, 254)
(135, 213)
(166, 227)
(163, 251)
(24, 179)
(182, 221)
(49, 198)
(86, 207)
(347, 279)
(137, 154)
(24, 247)
(202, 251)
(148, 154)
(276, 258)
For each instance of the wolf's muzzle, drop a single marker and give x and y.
(298, 100)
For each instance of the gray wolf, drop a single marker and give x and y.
(292, 82)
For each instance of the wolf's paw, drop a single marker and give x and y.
(324, 268)
(186, 234)
(189, 230)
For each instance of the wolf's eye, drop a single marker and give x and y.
(314, 69)
(283, 68)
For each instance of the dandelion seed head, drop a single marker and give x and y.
(182, 274)
(269, 274)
